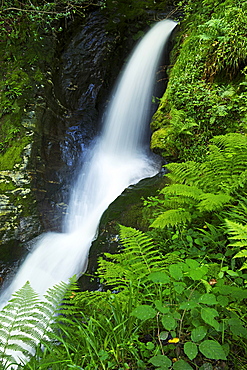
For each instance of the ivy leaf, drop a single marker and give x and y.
(144, 312)
(212, 349)
(191, 350)
(198, 333)
(161, 361)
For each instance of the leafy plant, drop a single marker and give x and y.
(198, 188)
(26, 321)
(238, 234)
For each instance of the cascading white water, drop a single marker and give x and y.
(118, 159)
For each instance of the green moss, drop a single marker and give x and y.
(6, 186)
(13, 154)
(207, 90)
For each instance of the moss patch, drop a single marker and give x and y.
(13, 154)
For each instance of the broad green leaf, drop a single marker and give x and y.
(176, 271)
(198, 333)
(193, 264)
(212, 349)
(191, 350)
(188, 305)
(169, 322)
(208, 315)
(144, 312)
(159, 277)
(208, 298)
(237, 328)
(223, 300)
(198, 273)
(179, 287)
(182, 365)
(160, 307)
(161, 361)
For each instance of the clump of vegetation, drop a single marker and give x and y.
(206, 92)
(173, 297)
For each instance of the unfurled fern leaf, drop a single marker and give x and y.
(238, 233)
(192, 192)
(139, 258)
(135, 262)
(172, 217)
(213, 202)
(25, 321)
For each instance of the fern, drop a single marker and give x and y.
(204, 187)
(138, 259)
(225, 167)
(238, 232)
(126, 273)
(213, 202)
(26, 320)
(172, 217)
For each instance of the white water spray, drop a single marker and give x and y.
(117, 160)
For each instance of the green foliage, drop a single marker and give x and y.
(26, 321)
(172, 303)
(199, 188)
(238, 232)
(206, 92)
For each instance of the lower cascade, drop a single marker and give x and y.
(118, 158)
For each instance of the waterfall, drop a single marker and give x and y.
(118, 158)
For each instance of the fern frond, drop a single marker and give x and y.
(213, 202)
(136, 261)
(183, 190)
(188, 173)
(225, 167)
(172, 217)
(237, 231)
(26, 320)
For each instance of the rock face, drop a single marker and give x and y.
(60, 120)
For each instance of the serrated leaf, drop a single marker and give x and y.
(191, 350)
(212, 349)
(188, 305)
(144, 312)
(179, 287)
(198, 333)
